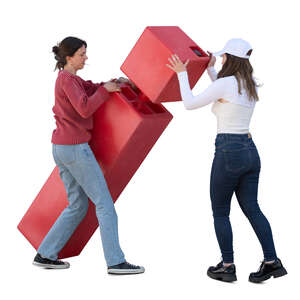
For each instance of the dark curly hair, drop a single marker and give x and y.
(67, 47)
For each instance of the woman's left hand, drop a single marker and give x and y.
(126, 80)
(176, 64)
(123, 80)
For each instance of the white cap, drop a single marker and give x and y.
(236, 47)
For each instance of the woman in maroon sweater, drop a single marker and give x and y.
(75, 102)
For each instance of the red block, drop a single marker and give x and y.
(125, 129)
(146, 63)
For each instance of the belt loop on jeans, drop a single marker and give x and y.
(249, 135)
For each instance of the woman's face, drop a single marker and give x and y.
(223, 58)
(77, 61)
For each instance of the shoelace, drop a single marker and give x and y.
(260, 267)
(262, 262)
(50, 261)
(131, 265)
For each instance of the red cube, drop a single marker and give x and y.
(125, 129)
(146, 63)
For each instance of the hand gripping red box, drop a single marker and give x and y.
(125, 129)
(146, 63)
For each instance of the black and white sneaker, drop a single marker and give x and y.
(49, 264)
(125, 268)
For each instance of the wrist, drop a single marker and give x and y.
(103, 89)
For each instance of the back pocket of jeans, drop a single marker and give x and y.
(85, 153)
(66, 153)
(236, 158)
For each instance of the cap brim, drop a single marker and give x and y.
(219, 53)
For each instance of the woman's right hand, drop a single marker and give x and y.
(212, 60)
(112, 86)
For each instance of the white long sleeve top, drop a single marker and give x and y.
(233, 116)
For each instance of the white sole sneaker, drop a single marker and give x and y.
(51, 266)
(126, 271)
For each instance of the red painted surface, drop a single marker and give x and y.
(125, 129)
(146, 63)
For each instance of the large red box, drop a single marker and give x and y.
(125, 129)
(146, 63)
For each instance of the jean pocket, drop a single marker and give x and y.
(220, 142)
(236, 160)
(86, 153)
(256, 158)
(66, 153)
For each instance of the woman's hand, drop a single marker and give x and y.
(126, 80)
(176, 64)
(111, 86)
(212, 60)
(123, 80)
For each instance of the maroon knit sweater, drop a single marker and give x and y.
(75, 102)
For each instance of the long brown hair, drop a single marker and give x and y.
(242, 70)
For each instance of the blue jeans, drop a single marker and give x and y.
(83, 179)
(236, 168)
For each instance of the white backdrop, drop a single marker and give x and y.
(165, 218)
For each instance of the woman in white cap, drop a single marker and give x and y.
(236, 164)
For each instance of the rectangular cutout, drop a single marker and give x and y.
(128, 93)
(141, 108)
(156, 108)
(198, 51)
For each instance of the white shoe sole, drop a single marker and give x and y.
(125, 271)
(49, 266)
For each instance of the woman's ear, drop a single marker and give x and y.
(224, 57)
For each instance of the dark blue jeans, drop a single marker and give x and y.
(236, 168)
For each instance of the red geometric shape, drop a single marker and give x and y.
(146, 63)
(125, 129)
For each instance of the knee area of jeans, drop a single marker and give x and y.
(253, 214)
(221, 218)
(80, 208)
(106, 211)
(221, 212)
(251, 210)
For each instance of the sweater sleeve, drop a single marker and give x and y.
(212, 73)
(215, 91)
(89, 83)
(84, 103)
(90, 87)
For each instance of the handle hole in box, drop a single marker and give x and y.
(198, 51)
(141, 107)
(156, 108)
(128, 93)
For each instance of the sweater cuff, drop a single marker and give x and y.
(103, 93)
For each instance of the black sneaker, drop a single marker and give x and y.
(49, 264)
(125, 268)
(266, 271)
(220, 272)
